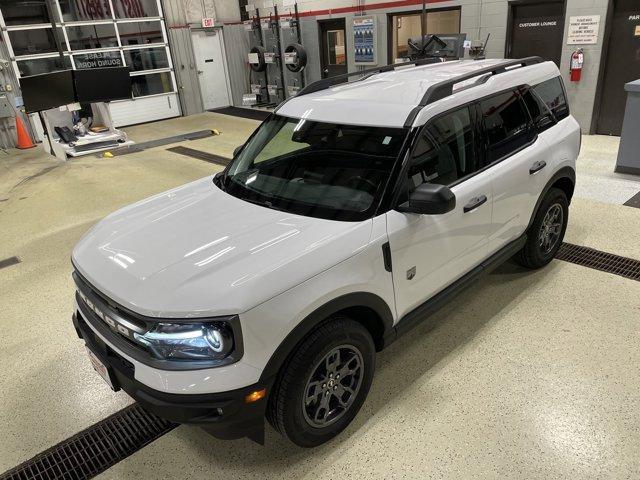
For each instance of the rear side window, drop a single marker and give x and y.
(546, 103)
(552, 94)
(506, 123)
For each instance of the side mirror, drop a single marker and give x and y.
(237, 151)
(429, 199)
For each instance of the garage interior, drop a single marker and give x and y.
(525, 375)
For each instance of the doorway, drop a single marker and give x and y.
(622, 66)
(333, 44)
(536, 28)
(212, 69)
(407, 26)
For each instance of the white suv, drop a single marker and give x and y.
(352, 212)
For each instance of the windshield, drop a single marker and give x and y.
(318, 169)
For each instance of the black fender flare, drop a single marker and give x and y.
(564, 172)
(311, 321)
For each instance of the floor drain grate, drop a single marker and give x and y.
(95, 449)
(606, 262)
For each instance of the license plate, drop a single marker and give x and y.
(100, 367)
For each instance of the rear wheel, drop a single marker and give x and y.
(324, 383)
(545, 235)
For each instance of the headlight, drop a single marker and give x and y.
(188, 341)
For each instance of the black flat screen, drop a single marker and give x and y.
(102, 84)
(49, 90)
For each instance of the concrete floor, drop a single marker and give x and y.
(526, 375)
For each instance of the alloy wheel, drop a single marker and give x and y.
(333, 386)
(551, 228)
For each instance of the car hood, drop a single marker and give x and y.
(196, 251)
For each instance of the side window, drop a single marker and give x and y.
(445, 151)
(506, 123)
(551, 95)
(541, 115)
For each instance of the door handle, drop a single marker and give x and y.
(536, 167)
(475, 203)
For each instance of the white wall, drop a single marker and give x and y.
(227, 11)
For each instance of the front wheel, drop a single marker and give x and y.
(544, 237)
(324, 383)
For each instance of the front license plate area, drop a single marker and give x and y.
(102, 369)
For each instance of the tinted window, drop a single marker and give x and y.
(445, 152)
(551, 94)
(506, 123)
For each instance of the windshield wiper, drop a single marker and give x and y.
(263, 203)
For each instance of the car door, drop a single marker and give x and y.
(429, 252)
(518, 158)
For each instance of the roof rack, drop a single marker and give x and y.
(444, 89)
(338, 79)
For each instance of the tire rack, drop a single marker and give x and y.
(270, 30)
(257, 78)
(291, 34)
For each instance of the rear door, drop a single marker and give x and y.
(431, 251)
(522, 160)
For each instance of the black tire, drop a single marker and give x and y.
(539, 251)
(262, 64)
(286, 410)
(301, 53)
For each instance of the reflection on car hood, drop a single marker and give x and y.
(196, 251)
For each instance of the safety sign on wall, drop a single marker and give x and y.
(583, 30)
(365, 39)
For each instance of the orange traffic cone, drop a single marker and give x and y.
(24, 140)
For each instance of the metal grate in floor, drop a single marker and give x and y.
(606, 262)
(95, 449)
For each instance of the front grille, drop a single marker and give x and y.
(603, 261)
(95, 449)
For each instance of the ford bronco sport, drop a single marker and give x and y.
(355, 210)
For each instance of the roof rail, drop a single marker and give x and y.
(444, 89)
(326, 83)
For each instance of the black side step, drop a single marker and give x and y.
(422, 312)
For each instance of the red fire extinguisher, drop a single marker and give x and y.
(577, 62)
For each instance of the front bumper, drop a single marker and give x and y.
(225, 415)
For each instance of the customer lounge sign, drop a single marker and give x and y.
(583, 30)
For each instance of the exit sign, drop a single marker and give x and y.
(208, 22)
